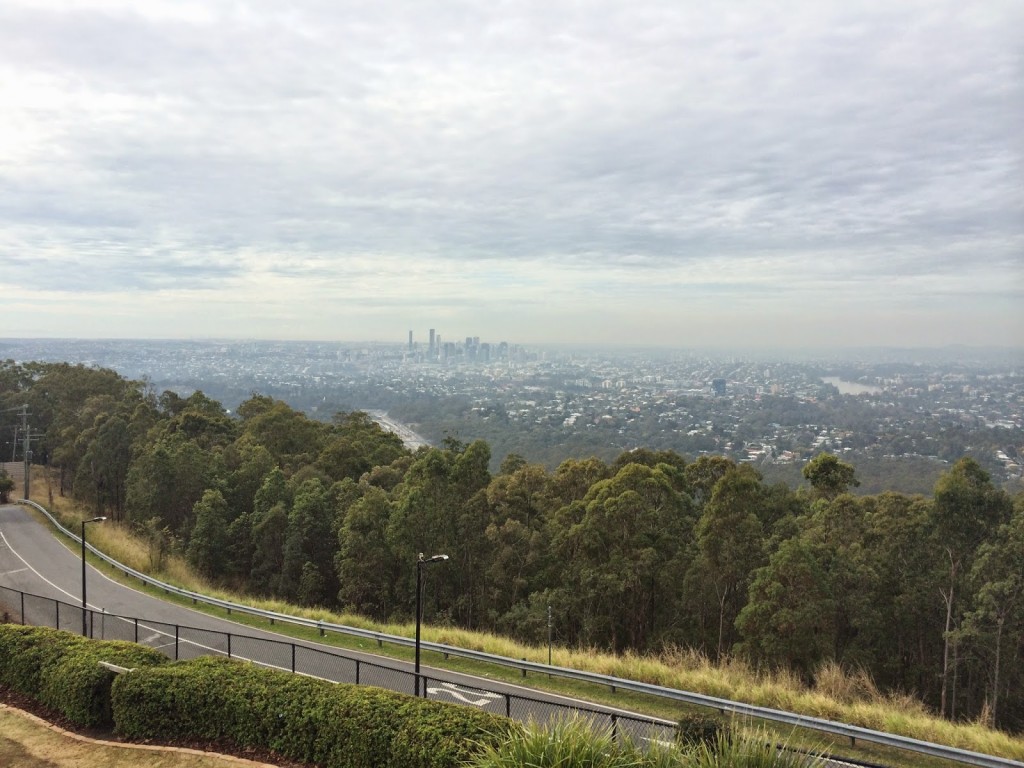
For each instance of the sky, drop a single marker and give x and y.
(674, 173)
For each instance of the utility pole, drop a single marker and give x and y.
(28, 451)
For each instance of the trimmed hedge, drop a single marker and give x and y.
(61, 670)
(334, 725)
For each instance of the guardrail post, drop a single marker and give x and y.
(320, 626)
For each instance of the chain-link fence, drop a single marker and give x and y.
(181, 642)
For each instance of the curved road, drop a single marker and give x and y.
(32, 560)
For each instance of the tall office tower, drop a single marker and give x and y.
(410, 341)
(432, 347)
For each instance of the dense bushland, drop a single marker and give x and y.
(648, 552)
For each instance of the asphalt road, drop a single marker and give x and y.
(32, 560)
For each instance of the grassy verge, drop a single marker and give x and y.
(838, 695)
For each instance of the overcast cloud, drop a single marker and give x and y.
(667, 172)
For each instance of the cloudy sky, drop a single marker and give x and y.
(655, 171)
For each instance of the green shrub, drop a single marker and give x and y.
(574, 743)
(701, 729)
(757, 750)
(61, 670)
(301, 718)
(442, 735)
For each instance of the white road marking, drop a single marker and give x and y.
(461, 695)
(29, 567)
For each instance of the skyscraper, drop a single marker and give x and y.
(433, 349)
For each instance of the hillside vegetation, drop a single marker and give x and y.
(648, 554)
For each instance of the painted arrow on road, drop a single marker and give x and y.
(463, 695)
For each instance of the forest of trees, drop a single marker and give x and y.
(644, 552)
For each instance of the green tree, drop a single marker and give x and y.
(269, 523)
(291, 438)
(703, 475)
(906, 647)
(6, 486)
(622, 556)
(837, 530)
(368, 570)
(730, 543)
(167, 479)
(102, 472)
(828, 476)
(967, 507)
(516, 541)
(998, 582)
(788, 617)
(356, 445)
(209, 539)
(309, 546)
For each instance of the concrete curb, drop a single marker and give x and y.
(127, 745)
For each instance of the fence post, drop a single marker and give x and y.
(357, 671)
(136, 631)
(175, 642)
(22, 607)
(508, 705)
(57, 603)
(229, 645)
(293, 658)
(615, 728)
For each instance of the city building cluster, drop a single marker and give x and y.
(751, 408)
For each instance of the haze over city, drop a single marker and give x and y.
(671, 173)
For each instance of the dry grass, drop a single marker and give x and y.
(839, 694)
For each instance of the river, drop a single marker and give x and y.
(851, 387)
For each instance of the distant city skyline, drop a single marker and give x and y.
(795, 175)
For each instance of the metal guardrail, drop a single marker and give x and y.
(181, 642)
(831, 727)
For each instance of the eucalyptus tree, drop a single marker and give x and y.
(967, 509)
(621, 551)
(730, 544)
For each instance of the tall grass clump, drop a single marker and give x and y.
(578, 743)
(756, 751)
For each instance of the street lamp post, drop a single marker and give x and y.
(85, 610)
(420, 562)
